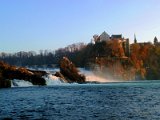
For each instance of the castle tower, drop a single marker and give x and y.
(127, 48)
(135, 40)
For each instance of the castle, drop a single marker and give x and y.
(121, 40)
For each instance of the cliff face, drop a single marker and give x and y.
(146, 60)
(110, 58)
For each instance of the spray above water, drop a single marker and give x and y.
(96, 76)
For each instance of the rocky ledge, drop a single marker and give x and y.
(69, 73)
(8, 73)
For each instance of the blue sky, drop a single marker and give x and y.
(27, 25)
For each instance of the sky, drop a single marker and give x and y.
(33, 25)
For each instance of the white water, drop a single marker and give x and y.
(90, 76)
(50, 80)
(53, 80)
(20, 83)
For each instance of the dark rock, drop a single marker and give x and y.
(62, 78)
(70, 72)
(11, 72)
(38, 72)
(4, 83)
(37, 80)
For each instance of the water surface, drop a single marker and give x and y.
(112, 101)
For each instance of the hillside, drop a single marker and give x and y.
(109, 58)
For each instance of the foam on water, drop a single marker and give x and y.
(52, 80)
(20, 83)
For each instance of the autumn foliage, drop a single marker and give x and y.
(142, 63)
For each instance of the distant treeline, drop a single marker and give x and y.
(44, 57)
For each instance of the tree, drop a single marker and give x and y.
(155, 40)
(135, 40)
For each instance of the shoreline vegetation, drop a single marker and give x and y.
(113, 57)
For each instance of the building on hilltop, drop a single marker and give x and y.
(122, 41)
(116, 36)
(104, 36)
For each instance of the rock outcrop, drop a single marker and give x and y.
(4, 83)
(62, 78)
(70, 72)
(9, 72)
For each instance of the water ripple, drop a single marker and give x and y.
(121, 102)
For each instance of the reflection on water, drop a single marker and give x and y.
(122, 101)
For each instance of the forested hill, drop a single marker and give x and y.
(108, 57)
(143, 61)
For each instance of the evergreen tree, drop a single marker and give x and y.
(135, 40)
(155, 40)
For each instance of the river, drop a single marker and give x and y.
(138, 100)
